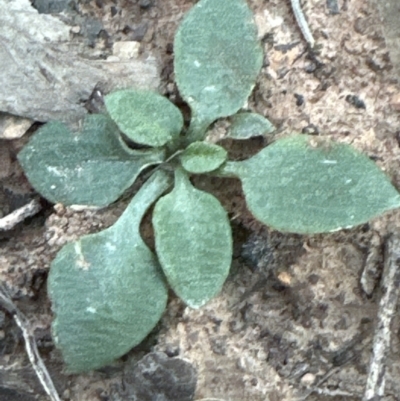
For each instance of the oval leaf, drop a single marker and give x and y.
(92, 167)
(145, 117)
(107, 289)
(248, 125)
(303, 184)
(217, 59)
(193, 241)
(202, 157)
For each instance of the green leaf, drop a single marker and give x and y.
(145, 117)
(248, 125)
(202, 157)
(310, 185)
(217, 60)
(93, 167)
(193, 241)
(107, 289)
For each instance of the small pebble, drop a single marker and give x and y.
(310, 68)
(157, 377)
(308, 379)
(145, 3)
(299, 99)
(310, 129)
(355, 101)
(76, 29)
(285, 278)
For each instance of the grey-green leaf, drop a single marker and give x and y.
(145, 117)
(248, 125)
(217, 59)
(93, 167)
(107, 289)
(193, 241)
(310, 185)
(203, 157)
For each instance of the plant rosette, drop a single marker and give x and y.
(109, 290)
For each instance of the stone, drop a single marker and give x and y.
(51, 6)
(12, 127)
(126, 50)
(308, 379)
(146, 3)
(158, 377)
(60, 80)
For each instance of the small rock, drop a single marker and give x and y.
(308, 379)
(299, 99)
(76, 29)
(126, 50)
(285, 278)
(50, 6)
(12, 127)
(145, 4)
(157, 377)
(355, 101)
(60, 78)
(113, 11)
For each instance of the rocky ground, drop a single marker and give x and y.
(294, 321)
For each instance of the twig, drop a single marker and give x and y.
(375, 386)
(11, 220)
(302, 22)
(30, 345)
(333, 393)
(372, 271)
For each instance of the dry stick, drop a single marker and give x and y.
(375, 386)
(11, 220)
(333, 393)
(302, 22)
(30, 345)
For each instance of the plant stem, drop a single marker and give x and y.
(196, 131)
(229, 170)
(150, 191)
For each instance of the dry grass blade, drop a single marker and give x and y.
(375, 387)
(30, 344)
